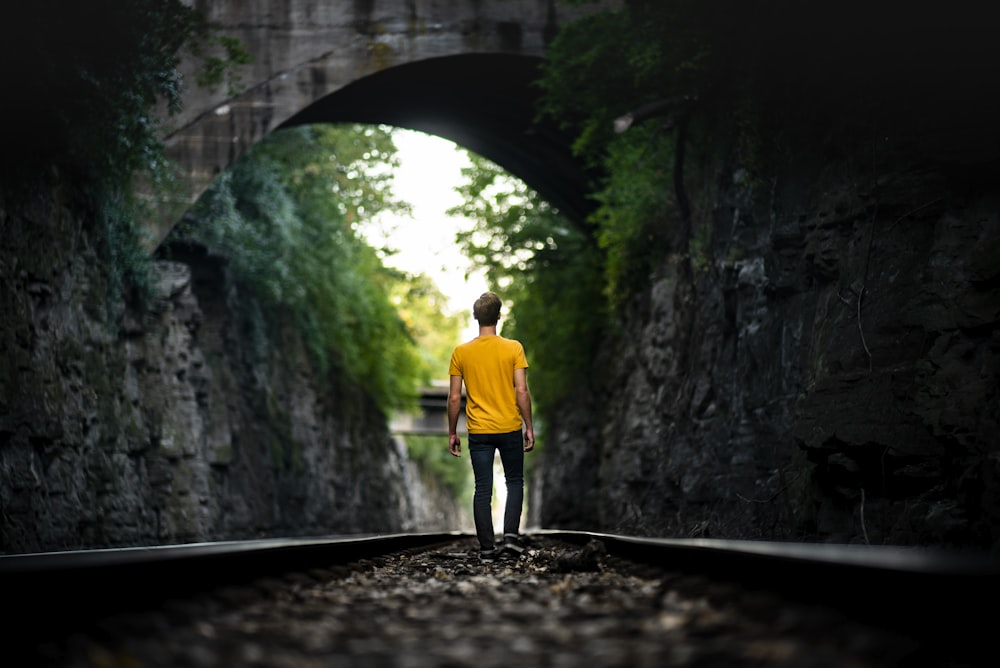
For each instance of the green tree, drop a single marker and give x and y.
(627, 84)
(424, 309)
(434, 459)
(548, 269)
(569, 280)
(286, 217)
(614, 62)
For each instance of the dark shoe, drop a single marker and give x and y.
(512, 545)
(487, 556)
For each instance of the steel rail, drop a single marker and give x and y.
(52, 591)
(917, 591)
(946, 597)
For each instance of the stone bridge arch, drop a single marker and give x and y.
(460, 69)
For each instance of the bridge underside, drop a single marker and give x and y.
(483, 102)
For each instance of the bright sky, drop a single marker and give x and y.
(428, 173)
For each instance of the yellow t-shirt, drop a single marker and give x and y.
(486, 365)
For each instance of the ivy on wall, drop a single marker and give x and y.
(88, 79)
(635, 88)
(286, 217)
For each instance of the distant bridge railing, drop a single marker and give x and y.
(432, 416)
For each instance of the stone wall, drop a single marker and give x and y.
(178, 423)
(828, 369)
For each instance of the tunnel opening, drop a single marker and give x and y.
(483, 102)
(252, 221)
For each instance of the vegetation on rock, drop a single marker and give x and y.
(89, 79)
(287, 216)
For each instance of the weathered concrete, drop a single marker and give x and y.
(305, 51)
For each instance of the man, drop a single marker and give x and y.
(494, 370)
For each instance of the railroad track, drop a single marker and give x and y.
(576, 598)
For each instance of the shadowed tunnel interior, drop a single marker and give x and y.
(483, 102)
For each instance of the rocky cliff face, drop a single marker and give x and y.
(827, 370)
(178, 423)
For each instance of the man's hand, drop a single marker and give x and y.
(455, 445)
(529, 439)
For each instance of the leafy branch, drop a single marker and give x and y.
(285, 217)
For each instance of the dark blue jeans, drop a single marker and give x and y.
(481, 451)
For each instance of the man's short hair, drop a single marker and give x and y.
(487, 309)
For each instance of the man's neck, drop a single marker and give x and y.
(487, 330)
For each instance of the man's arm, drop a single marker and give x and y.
(454, 406)
(523, 396)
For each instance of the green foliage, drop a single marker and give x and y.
(512, 221)
(584, 53)
(630, 216)
(568, 281)
(677, 53)
(432, 456)
(424, 310)
(548, 271)
(286, 217)
(87, 78)
(217, 69)
(130, 273)
(611, 63)
(600, 68)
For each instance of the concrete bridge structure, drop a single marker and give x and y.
(431, 415)
(459, 69)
